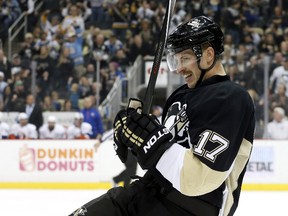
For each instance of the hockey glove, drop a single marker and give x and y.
(119, 122)
(147, 139)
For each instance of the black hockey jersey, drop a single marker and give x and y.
(214, 127)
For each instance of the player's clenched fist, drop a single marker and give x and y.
(143, 135)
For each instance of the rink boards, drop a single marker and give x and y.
(74, 164)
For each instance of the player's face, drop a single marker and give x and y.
(187, 67)
(23, 122)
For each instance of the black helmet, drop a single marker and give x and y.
(192, 34)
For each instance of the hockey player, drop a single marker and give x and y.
(79, 129)
(52, 130)
(196, 160)
(23, 129)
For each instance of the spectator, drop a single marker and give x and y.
(139, 47)
(27, 50)
(4, 128)
(93, 117)
(43, 41)
(97, 86)
(195, 7)
(113, 44)
(55, 46)
(253, 75)
(7, 99)
(52, 27)
(114, 72)
(84, 11)
(23, 129)
(45, 70)
(100, 52)
(55, 101)
(47, 104)
(229, 44)
(52, 130)
(280, 75)
(120, 15)
(279, 99)
(9, 12)
(268, 44)
(122, 60)
(5, 65)
(147, 33)
(144, 11)
(67, 107)
(233, 21)
(276, 62)
(278, 127)
(28, 8)
(73, 21)
(17, 96)
(259, 115)
(19, 68)
(34, 111)
(284, 47)
(74, 96)
(177, 17)
(63, 71)
(97, 17)
(84, 87)
(79, 129)
(74, 44)
(90, 73)
(3, 85)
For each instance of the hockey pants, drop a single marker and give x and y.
(143, 198)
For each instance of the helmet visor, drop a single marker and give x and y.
(177, 61)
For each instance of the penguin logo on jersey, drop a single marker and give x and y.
(176, 121)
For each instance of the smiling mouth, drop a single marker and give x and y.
(187, 77)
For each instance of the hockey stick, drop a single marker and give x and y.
(149, 94)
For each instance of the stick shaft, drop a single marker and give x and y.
(149, 94)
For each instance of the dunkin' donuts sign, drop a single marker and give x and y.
(61, 159)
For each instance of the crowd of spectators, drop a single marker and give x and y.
(70, 39)
(29, 123)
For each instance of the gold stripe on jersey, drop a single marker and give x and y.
(196, 178)
(240, 162)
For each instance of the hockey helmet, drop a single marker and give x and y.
(191, 35)
(22, 116)
(51, 119)
(78, 115)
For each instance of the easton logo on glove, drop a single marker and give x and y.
(146, 138)
(154, 139)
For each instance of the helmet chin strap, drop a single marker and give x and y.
(204, 70)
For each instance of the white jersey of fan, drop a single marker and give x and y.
(27, 131)
(59, 132)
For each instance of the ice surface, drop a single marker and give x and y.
(63, 202)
